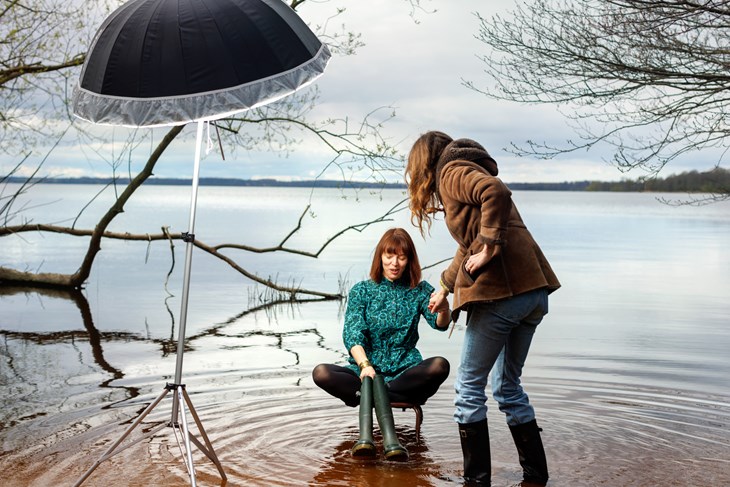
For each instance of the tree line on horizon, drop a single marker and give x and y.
(716, 180)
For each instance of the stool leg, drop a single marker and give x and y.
(419, 415)
(419, 421)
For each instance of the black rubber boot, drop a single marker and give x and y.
(532, 454)
(392, 448)
(365, 446)
(477, 455)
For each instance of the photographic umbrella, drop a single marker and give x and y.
(171, 62)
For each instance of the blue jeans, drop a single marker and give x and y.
(498, 337)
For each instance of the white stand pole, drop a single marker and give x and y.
(180, 394)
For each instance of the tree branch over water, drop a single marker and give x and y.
(11, 276)
(358, 227)
(34, 102)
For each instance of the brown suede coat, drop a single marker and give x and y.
(479, 210)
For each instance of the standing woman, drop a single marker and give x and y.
(380, 333)
(500, 277)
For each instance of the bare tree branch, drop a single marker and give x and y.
(648, 78)
(13, 72)
(11, 276)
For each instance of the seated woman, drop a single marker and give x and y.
(380, 334)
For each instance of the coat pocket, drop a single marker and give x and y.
(463, 278)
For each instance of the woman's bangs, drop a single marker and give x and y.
(397, 246)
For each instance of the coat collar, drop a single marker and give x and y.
(466, 150)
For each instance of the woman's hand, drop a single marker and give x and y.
(366, 368)
(477, 261)
(438, 302)
(367, 372)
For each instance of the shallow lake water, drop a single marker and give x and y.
(628, 372)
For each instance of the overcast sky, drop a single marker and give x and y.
(415, 67)
(418, 68)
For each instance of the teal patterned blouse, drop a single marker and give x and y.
(383, 318)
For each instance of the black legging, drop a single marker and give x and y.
(415, 385)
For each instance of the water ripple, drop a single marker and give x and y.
(291, 433)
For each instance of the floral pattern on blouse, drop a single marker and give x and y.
(383, 318)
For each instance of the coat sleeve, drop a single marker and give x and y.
(448, 276)
(469, 184)
(355, 330)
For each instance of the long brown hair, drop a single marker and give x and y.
(421, 177)
(396, 241)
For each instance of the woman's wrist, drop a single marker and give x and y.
(364, 364)
(444, 287)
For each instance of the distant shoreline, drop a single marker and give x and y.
(716, 180)
(324, 183)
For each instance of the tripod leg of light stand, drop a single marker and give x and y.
(207, 449)
(186, 436)
(113, 449)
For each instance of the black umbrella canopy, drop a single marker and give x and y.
(169, 62)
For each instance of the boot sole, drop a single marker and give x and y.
(363, 450)
(397, 455)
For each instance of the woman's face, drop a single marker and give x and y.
(394, 265)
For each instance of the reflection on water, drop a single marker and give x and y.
(34, 361)
(628, 373)
(270, 426)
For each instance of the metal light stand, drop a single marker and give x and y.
(180, 397)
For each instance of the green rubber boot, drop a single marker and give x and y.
(392, 448)
(365, 446)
